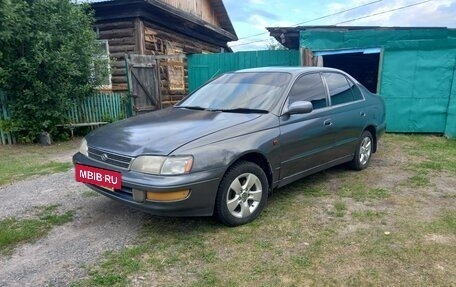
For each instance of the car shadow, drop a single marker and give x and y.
(183, 225)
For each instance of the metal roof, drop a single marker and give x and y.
(289, 36)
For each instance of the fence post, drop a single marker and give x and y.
(5, 137)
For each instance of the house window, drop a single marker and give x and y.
(101, 65)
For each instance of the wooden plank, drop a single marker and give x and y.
(139, 35)
(118, 64)
(121, 48)
(116, 33)
(172, 63)
(114, 25)
(150, 38)
(119, 87)
(119, 72)
(98, 99)
(118, 79)
(149, 31)
(121, 41)
(118, 55)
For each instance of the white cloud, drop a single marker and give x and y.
(258, 22)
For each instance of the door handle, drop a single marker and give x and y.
(362, 114)
(327, 123)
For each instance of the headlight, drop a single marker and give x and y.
(173, 165)
(83, 148)
(177, 165)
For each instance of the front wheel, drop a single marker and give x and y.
(242, 194)
(363, 152)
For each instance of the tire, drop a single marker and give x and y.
(242, 194)
(363, 152)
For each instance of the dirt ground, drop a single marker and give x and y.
(102, 225)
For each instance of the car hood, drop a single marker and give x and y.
(163, 131)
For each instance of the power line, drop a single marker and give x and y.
(248, 43)
(384, 12)
(351, 20)
(337, 13)
(319, 18)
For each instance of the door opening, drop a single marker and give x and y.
(363, 65)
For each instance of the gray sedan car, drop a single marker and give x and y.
(225, 147)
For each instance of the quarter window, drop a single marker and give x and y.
(357, 95)
(309, 88)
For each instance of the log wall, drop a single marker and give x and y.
(121, 39)
(140, 37)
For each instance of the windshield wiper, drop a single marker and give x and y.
(236, 110)
(192, 108)
(242, 110)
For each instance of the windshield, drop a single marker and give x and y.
(239, 91)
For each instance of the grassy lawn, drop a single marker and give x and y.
(393, 224)
(21, 161)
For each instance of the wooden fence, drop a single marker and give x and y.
(100, 107)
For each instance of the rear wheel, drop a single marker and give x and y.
(363, 152)
(242, 194)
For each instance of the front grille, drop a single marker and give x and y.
(110, 158)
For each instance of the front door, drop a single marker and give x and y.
(306, 138)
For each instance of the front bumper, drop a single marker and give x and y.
(200, 202)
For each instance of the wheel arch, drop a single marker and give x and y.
(373, 132)
(258, 159)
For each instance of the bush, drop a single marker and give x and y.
(47, 56)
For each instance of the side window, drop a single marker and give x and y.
(309, 88)
(339, 89)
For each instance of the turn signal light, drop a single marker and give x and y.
(168, 196)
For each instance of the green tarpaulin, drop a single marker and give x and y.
(417, 78)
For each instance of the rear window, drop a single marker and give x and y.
(341, 91)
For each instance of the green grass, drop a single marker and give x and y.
(340, 208)
(419, 180)
(22, 161)
(445, 223)
(367, 215)
(90, 193)
(361, 192)
(335, 228)
(15, 231)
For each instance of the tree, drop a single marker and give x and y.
(47, 50)
(274, 45)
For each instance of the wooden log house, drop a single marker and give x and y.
(158, 34)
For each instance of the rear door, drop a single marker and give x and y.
(349, 114)
(305, 138)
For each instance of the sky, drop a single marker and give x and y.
(250, 17)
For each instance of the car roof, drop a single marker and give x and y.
(291, 70)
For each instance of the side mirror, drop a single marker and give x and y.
(300, 107)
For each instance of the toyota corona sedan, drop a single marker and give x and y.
(224, 148)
